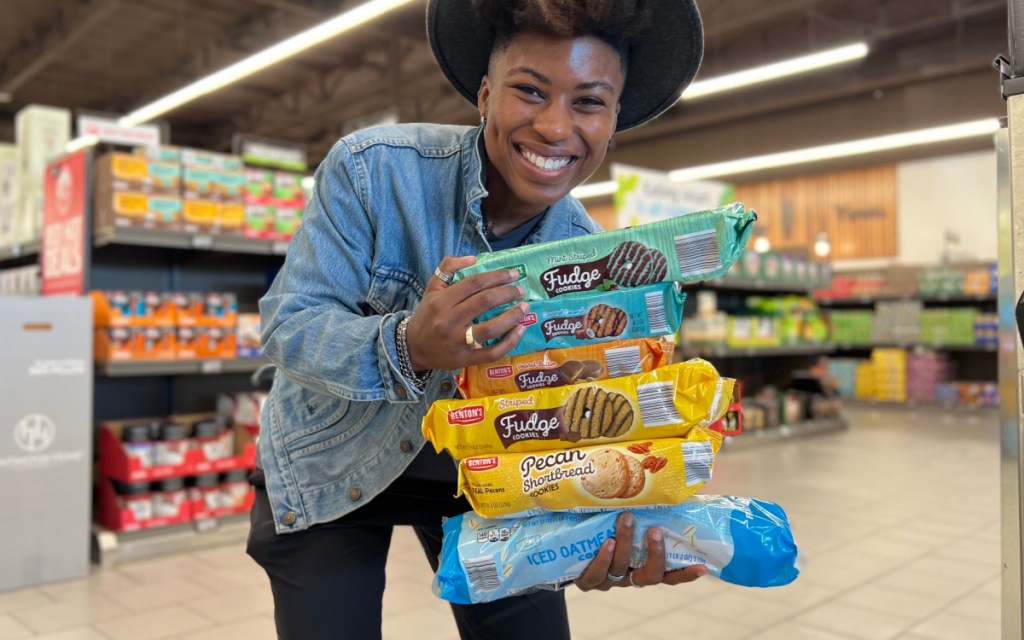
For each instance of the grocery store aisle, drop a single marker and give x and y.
(897, 522)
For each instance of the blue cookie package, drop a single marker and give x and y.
(595, 317)
(744, 541)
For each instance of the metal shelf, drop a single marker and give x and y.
(111, 547)
(20, 251)
(855, 403)
(977, 348)
(758, 437)
(134, 368)
(758, 284)
(182, 240)
(870, 300)
(740, 352)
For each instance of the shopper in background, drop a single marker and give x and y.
(366, 328)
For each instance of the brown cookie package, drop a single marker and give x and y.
(560, 367)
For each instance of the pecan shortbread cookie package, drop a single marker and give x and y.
(741, 540)
(599, 317)
(640, 474)
(560, 367)
(664, 403)
(697, 246)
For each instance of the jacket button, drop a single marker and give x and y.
(288, 518)
(446, 387)
(354, 494)
(405, 446)
(400, 391)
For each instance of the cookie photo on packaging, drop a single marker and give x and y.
(598, 317)
(559, 367)
(697, 246)
(666, 402)
(654, 473)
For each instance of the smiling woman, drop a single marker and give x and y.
(367, 327)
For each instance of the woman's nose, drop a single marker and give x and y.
(554, 122)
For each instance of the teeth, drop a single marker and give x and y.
(547, 164)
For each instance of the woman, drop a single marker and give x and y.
(366, 329)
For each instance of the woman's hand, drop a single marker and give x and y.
(437, 332)
(611, 566)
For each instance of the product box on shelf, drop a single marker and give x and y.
(41, 133)
(130, 453)
(200, 183)
(771, 266)
(154, 343)
(215, 342)
(114, 343)
(160, 153)
(248, 335)
(731, 424)
(199, 216)
(198, 158)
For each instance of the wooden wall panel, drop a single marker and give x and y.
(856, 208)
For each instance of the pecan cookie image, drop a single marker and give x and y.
(632, 264)
(605, 321)
(610, 476)
(595, 413)
(636, 480)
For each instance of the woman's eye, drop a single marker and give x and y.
(530, 91)
(590, 102)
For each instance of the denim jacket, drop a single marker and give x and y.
(341, 421)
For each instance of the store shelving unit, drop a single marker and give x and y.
(133, 368)
(863, 301)
(26, 252)
(180, 240)
(760, 366)
(912, 405)
(110, 548)
(968, 348)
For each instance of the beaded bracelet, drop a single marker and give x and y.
(404, 361)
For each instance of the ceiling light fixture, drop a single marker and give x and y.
(918, 137)
(776, 71)
(261, 60)
(81, 142)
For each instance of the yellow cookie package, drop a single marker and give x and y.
(634, 474)
(663, 403)
(560, 367)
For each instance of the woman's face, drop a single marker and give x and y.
(551, 105)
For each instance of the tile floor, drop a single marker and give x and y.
(897, 520)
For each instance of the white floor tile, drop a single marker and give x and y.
(256, 628)
(22, 599)
(796, 631)
(154, 595)
(78, 633)
(858, 622)
(58, 616)
(11, 629)
(947, 626)
(154, 625)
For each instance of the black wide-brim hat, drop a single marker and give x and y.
(663, 58)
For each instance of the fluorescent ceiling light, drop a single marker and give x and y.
(81, 142)
(775, 71)
(261, 60)
(814, 154)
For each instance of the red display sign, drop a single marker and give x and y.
(64, 225)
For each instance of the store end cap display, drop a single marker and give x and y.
(664, 403)
(697, 246)
(742, 541)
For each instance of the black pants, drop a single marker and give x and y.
(328, 581)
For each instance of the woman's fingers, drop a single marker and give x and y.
(689, 574)
(595, 575)
(500, 325)
(653, 570)
(624, 528)
(448, 267)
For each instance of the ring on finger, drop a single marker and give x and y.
(610, 577)
(442, 276)
(470, 339)
(633, 582)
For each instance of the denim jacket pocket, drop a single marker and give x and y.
(393, 290)
(355, 418)
(308, 412)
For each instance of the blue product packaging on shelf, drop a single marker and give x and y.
(743, 541)
(592, 318)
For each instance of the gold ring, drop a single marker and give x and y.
(470, 339)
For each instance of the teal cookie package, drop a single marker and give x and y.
(592, 318)
(697, 246)
(743, 541)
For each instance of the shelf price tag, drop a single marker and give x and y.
(279, 248)
(212, 366)
(202, 242)
(206, 525)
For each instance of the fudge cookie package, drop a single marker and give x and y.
(655, 472)
(689, 248)
(560, 367)
(598, 317)
(663, 403)
(741, 540)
